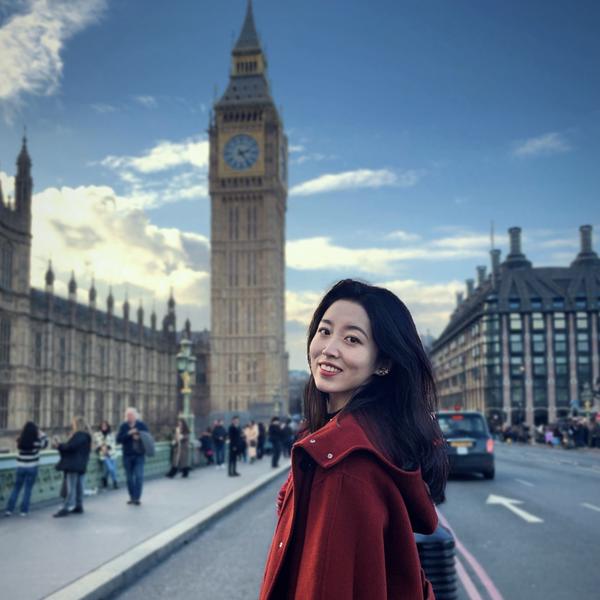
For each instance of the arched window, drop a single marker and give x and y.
(6, 266)
(4, 341)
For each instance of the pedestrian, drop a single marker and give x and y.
(206, 446)
(243, 448)
(74, 456)
(286, 438)
(219, 435)
(29, 443)
(180, 456)
(133, 453)
(106, 447)
(252, 440)
(262, 436)
(275, 439)
(235, 440)
(374, 450)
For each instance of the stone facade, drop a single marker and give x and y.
(248, 189)
(523, 345)
(58, 357)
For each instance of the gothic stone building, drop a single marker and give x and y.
(523, 345)
(59, 358)
(248, 189)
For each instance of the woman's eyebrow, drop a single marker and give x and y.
(356, 327)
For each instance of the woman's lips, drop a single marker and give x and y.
(327, 370)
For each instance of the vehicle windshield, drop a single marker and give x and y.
(462, 425)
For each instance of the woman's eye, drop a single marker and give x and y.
(353, 340)
(323, 331)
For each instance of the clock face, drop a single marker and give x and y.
(241, 152)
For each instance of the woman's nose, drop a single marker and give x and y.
(332, 349)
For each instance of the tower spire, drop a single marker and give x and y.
(248, 40)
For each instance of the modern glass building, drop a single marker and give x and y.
(523, 343)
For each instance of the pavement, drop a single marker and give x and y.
(501, 554)
(70, 557)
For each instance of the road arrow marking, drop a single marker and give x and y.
(510, 503)
(590, 506)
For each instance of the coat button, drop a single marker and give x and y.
(313, 441)
(330, 455)
(281, 544)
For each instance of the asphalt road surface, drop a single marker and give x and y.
(532, 533)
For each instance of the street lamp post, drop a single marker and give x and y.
(186, 365)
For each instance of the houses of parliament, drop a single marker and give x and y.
(60, 357)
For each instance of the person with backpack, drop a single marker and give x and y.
(29, 443)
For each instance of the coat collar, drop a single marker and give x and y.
(339, 437)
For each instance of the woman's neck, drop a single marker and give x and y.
(336, 402)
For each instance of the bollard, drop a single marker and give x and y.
(436, 552)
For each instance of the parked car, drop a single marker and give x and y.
(469, 444)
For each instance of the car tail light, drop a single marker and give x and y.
(489, 446)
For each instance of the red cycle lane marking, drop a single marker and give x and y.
(485, 579)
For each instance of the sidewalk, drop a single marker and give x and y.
(41, 555)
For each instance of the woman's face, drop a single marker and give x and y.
(343, 355)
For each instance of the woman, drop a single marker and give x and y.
(29, 443)
(251, 431)
(106, 447)
(74, 456)
(206, 446)
(369, 463)
(180, 458)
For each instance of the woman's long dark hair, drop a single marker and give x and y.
(28, 436)
(397, 411)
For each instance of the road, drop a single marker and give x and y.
(546, 547)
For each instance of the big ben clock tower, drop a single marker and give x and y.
(248, 190)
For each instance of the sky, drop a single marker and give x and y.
(413, 126)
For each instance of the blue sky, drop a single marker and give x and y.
(412, 125)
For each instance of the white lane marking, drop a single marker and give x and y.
(590, 506)
(527, 483)
(510, 504)
(466, 581)
(485, 579)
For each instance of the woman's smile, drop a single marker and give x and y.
(326, 369)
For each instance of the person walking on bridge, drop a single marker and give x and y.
(133, 453)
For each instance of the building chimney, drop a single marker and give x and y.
(481, 275)
(515, 240)
(516, 258)
(459, 298)
(585, 235)
(586, 251)
(470, 287)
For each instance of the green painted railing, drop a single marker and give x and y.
(49, 480)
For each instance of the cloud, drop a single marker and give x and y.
(360, 178)
(85, 229)
(147, 101)
(164, 155)
(320, 253)
(31, 43)
(403, 236)
(548, 143)
(168, 172)
(103, 108)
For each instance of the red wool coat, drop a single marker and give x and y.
(346, 522)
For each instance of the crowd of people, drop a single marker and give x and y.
(248, 443)
(134, 443)
(568, 432)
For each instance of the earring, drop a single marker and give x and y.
(382, 372)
